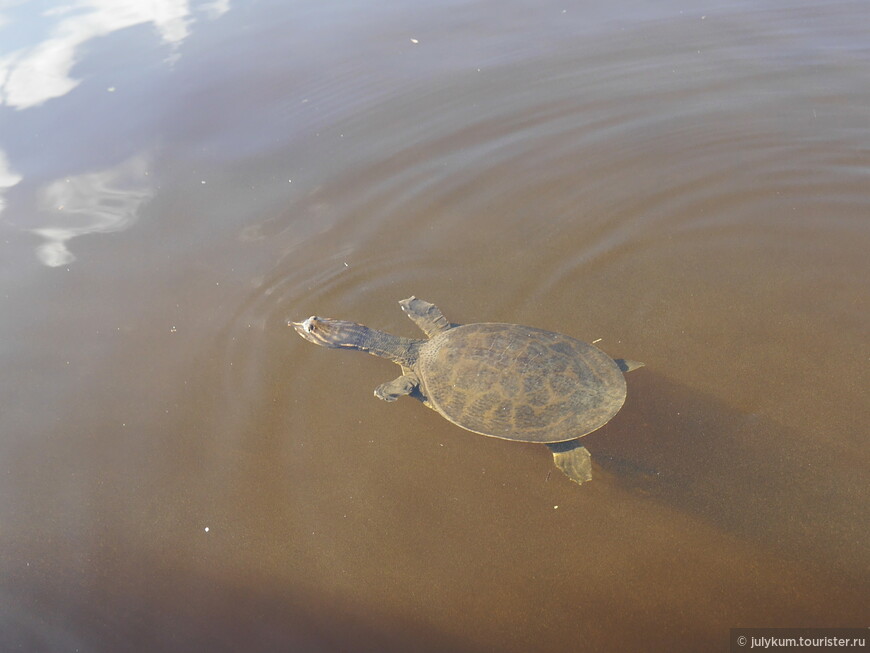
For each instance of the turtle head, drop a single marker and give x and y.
(339, 334)
(327, 332)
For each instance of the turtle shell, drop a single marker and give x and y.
(519, 383)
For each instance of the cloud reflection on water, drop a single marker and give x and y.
(34, 74)
(99, 202)
(41, 70)
(8, 178)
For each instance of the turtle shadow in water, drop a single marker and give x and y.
(562, 447)
(416, 394)
(745, 473)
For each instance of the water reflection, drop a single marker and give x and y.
(689, 190)
(38, 50)
(100, 202)
(8, 178)
(36, 73)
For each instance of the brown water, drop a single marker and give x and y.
(688, 182)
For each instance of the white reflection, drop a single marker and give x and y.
(31, 75)
(100, 202)
(7, 178)
(216, 8)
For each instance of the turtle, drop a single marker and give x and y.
(506, 381)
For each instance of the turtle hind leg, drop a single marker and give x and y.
(573, 459)
(392, 390)
(425, 315)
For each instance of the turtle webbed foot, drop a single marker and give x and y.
(573, 459)
(425, 315)
(392, 390)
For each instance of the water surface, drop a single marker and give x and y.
(688, 183)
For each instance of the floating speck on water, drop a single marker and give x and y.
(206, 529)
(111, 89)
(414, 41)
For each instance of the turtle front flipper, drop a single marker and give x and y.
(425, 315)
(573, 459)
(392, 390)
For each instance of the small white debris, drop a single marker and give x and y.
(346, 265)
(555, 507)
(172, 329)
(289, 181)
(597, 340)
(414, 41)
(206, 529)
(111, 89)
(202, 182)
